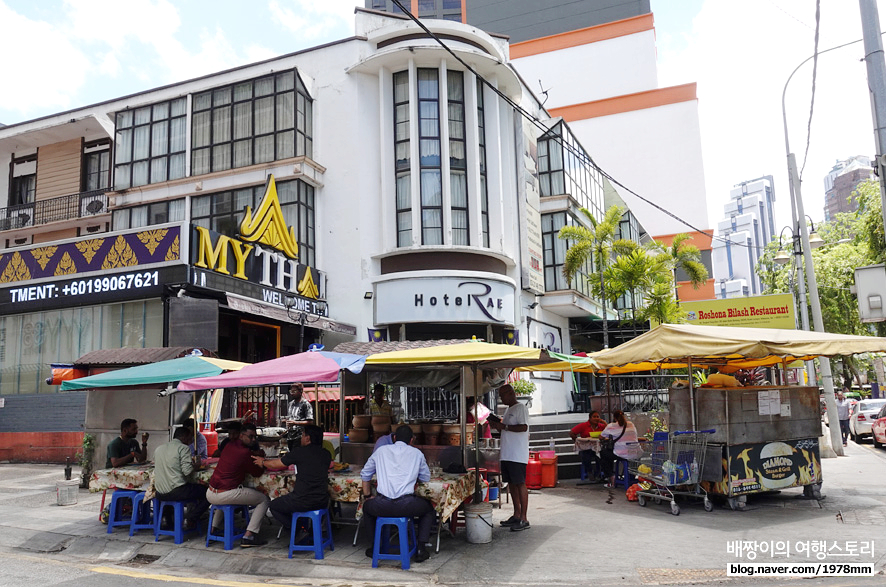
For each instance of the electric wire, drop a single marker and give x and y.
(814, 72)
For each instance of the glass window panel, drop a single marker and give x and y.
(158, 213)
(285, 81)
(404, 229)
(309, 119)
(286, 111)
(221, 96)
(139, 216)
(287, 192)
(143, 115)
(200, 161)
(457, 154)
(202, 101)
(124, 146)
(141, 142)
(177, 166)
(177, 210)
(458, 187)
(158, 169)
(161, 111)
(401, 86)
(139, 173)
(452, 4)
(286, 144)
(556, 152)
(121, 177)
(264, 149)
(201, 130)
(243, 120)
(242, 153)
(221, 157)
(264, 86)
(221, 125)
(178, 128)
(159, 138)
(455, 85)
(243, 91)
(431, 188)
(120, 219)
(179, 107)
(124, 119)
(430, 153)
(432, 227)
(557, 185)
(242, 198)
(427, 84)
(404, 196)
(264, 115)
(402, 155)
(301, 146)
(200, 206)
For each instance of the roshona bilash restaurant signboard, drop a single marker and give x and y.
(772, 311)
(264, 253)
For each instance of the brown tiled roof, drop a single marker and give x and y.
(370, 348)
(129, 357)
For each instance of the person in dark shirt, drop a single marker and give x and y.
(233, 433)
(311, 490)
(125, 450)
(226, 485)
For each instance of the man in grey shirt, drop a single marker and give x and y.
(172, 465)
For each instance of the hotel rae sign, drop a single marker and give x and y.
(444, 299)
(265, 253)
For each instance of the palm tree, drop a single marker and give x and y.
(686, 256)
(635, 274)
(592, 243)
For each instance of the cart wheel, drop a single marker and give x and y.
(675, 509)
(708, 506)
(641, 499)
(657, 500)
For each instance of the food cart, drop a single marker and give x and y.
(766, 438)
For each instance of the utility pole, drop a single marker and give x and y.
(876, 66)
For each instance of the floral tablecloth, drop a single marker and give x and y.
(587, 444)
(446, 491)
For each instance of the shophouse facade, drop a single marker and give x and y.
(371, 187)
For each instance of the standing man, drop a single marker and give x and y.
(226, 485)
(172, 465)
(300, 413)
(843, 405)
(125, 450)
(514, 428)
(311, 489)
(399, 466)
(378, 405)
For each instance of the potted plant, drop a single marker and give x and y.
(523, 388)
(84, 459)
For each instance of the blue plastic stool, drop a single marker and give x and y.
(406, 530)
(623, 478)
(115, 512)
(318, 544)
(143, 514)
(231, 533)
(178, 527)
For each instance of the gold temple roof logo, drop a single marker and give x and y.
(268, 226)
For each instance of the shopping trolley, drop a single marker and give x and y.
(671, 464)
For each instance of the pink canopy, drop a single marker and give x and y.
(309, 366)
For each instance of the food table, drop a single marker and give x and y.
(587, 444)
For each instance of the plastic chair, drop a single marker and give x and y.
(319, 543)
(623, 478)
(178, 527)
(406, 530)
(230, 532)
(143, 514)
(115, 512)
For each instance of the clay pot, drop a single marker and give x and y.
(451, 429)
(358, 435)
(381, 420)
(452, 439)
(433, 429)
(416, 429)
(381, 429)
(430, 439)
(361, 421)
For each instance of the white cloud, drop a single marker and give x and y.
(59, 65)
(741, 55)
(312, 20)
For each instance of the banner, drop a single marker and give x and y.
(772, 311)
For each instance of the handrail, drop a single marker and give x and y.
(70, 207)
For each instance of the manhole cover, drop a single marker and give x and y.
(866, 517)
(678, 576)
(141, 560)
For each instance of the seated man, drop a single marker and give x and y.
(198, 445)
(125, 450)
(589, 457)
(233, 430)
(172, 465)
(226, 485)
(311, 489)
(399, 466)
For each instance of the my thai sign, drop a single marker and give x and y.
(772, 311)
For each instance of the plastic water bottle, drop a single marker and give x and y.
(551, 443)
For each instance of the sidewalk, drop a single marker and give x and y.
(579, 535)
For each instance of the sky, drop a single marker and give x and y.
(64, 54)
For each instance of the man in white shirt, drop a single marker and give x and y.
(843, 405)
(514, 427)
(399, 467)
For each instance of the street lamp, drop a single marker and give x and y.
(798, 212)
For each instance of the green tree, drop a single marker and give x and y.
(636, 274)
(870, 220)
(594, 243)
(682, 254)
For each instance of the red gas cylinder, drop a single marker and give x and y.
(548, 459)
(533, 472)
(211, 441)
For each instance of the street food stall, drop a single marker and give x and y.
(766, 438)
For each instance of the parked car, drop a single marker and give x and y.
(863, 415)
(878, 428)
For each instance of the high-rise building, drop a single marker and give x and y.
(748, 225)
(842, 181)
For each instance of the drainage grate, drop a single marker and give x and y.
(865, 517)
(141, 560)
(678, 576)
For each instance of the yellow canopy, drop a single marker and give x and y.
(671, 344)
(482, 354)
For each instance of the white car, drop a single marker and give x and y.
(864, 413)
